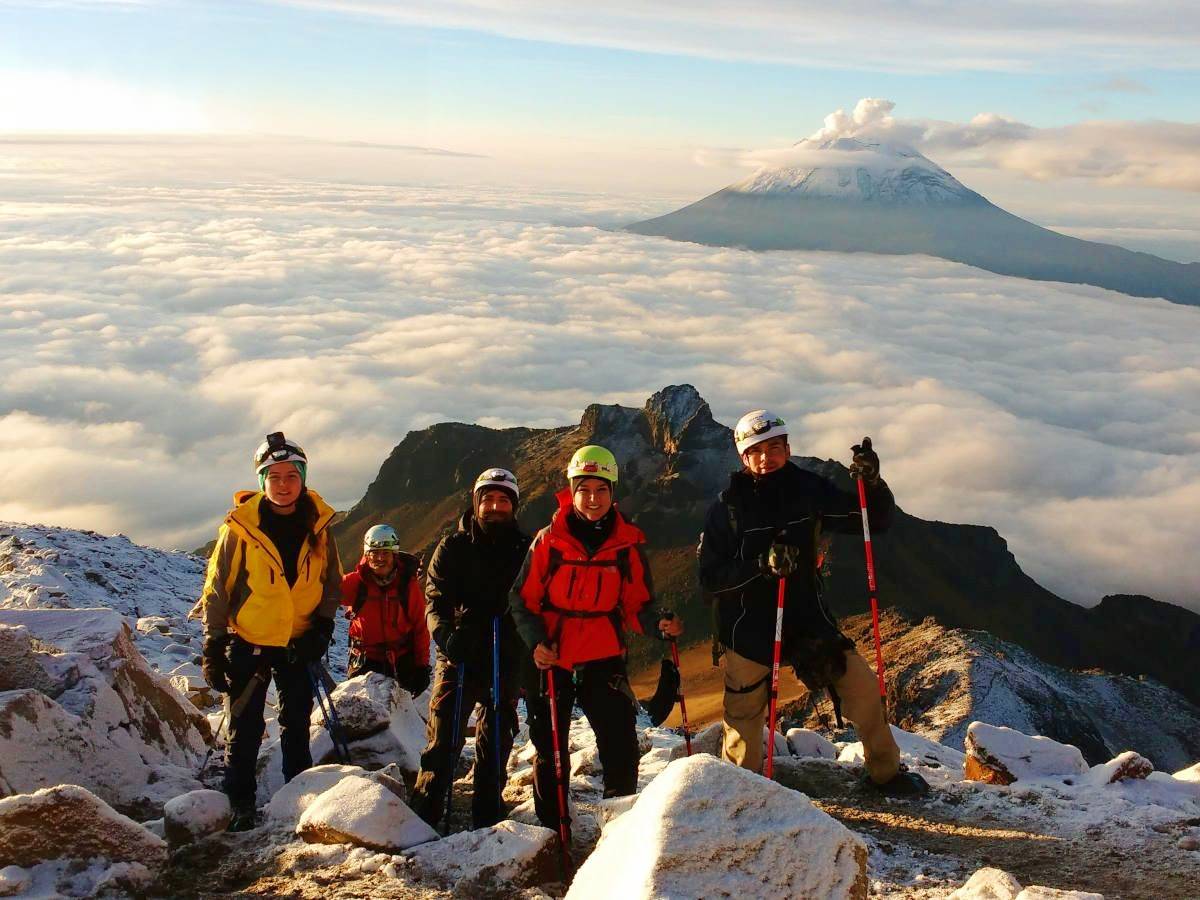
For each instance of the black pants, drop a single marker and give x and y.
(294, 690)
(403, 670)
(601, 688)
(441, 754)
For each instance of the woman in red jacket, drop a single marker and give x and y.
(386, 608)
(584, 585)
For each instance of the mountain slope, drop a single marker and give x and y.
(881, 198)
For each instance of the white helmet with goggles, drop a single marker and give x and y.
(497, 478)
(757, 426)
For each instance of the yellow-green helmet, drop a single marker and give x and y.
(593, 461)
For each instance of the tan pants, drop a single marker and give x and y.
(745, 714)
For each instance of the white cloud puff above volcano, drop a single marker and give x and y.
(146, 351)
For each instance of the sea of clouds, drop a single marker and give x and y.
(150, 336)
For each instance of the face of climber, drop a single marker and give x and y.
(767, 456)
(381, 562)
(283, 485)
(495, 507)
(593, 498)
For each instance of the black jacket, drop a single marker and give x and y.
(468, 581)
(793, 506)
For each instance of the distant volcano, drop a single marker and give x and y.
(877, 197)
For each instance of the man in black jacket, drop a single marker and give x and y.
(469, 578)
(765, 526)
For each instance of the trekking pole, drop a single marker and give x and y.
(871, 589)
(564, 814)
(496, 740)
(332, 723)
(460, 671)
(687, 732)
(769, 760)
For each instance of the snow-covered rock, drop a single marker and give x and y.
(364, 705)
(291, 800)
(194, 815)
(708, 741)
(988, 884)
(805, 742)
(1127, 766)
(14, 880)
(478, 863)
(19, 666)
(998, 755)
(69, 822)
(915, 750)
(996, 884)
(706, 828)
(97, 715)
(1191, 773)
(359, 811)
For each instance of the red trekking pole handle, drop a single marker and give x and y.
(871, 589)
(769, 758)
(687, 732)
(564, 815)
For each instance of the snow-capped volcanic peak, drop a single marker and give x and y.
(853, 169)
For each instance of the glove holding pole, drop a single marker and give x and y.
(864, 469)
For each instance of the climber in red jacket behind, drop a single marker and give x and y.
(386, 608)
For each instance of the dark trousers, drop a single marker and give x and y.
(602, 690)
(403, 668)
(441, 754)
(294, 690)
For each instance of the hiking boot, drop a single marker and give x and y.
(243, 820)
(903, 784)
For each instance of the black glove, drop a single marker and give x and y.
(416, 680)
(780, 561)
(214, 665)
(463, 641)
(311, 645)
(865, 464)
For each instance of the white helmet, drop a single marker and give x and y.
(276, 449)
(381, 537)
(757, 426)
(498, 478)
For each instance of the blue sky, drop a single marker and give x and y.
(327, 72)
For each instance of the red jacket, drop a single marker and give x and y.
(386, 621)
(559, 582)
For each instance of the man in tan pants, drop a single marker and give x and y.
(765, 527)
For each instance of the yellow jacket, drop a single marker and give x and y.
(245, 590)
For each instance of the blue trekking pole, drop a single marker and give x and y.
(497, 742)
(333, 724)
(460, 672)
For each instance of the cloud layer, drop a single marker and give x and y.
(151, 336)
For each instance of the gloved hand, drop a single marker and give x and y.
(416, 680)
(311, 645)
(461, 643)
(213, 663)
(780, 561)
(865, 464)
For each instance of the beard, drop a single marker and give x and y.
(494, 522)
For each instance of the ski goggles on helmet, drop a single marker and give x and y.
(276, 449)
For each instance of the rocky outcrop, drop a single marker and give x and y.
(69, 822)
(93, 713)
(706, 828)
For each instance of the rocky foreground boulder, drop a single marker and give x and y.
(69, 822)
(707, 828)
(84, 707)
(477, 863)
(998, 755)
(365, 813)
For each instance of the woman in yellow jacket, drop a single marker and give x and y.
(273, 585)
